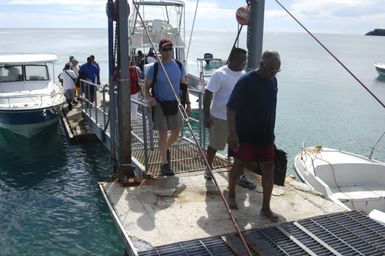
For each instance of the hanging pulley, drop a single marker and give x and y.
(114, 15)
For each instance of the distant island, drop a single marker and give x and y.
(376, 32)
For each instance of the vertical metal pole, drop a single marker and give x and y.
(111, 62)
(255, 33)
(200, 118)
(145, 116)
(124, 99)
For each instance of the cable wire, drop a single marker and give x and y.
(185, 117)
(326, 49)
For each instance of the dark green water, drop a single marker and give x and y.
(50, 203)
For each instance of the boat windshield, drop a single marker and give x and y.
(36, 72)
(14, 73)
(11, 73)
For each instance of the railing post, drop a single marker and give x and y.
(144, 117)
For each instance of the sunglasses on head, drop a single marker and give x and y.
(167, 49)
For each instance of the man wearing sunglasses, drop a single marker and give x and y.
(165, 89)
(251, 112)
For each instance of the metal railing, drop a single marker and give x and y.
(95, 104)
(32, 97)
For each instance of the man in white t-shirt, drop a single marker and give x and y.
(217, 94)
(69, 78)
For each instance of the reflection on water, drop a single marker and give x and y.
(380, 78)
(26, 162)
(49, 199)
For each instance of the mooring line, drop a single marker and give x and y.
(326, 49)
(185, 117)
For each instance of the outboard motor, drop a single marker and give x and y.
(208, 57)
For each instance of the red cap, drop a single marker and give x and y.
(164, 42)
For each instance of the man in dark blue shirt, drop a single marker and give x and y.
(90, 72)
(251, 118)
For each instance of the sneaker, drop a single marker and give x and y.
(166, 170)
(246, 183)
(168, 156)
(207, 174)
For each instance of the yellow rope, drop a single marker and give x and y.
(317, 150)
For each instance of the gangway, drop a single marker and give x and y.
(185, 154)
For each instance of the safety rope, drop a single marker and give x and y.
(378, 141)
(248, 2)
(192, 29)
(313, 154)
(326, 49)
(351, 73)
(186, 120)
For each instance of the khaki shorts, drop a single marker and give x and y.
(166, 123)
(218, 134)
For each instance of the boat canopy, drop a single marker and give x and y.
(27, 58)
(161, 3)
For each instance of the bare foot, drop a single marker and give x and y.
(270, 215)
(232, 203)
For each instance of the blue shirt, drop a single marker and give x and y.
(162, 90)
(254, 100)
(90, 70)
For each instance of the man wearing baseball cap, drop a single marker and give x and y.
(166, 115)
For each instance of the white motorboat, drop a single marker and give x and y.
(355, 181)
(29, 99)
(380, 67)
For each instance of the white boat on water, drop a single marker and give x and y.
(166, 19)
(29, 99)
(345, 178)
(380, 67)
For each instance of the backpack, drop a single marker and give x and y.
(134, 78)
(183, 87)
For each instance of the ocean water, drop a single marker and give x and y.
(50, 203)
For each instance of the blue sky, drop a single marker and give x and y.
(319, 16)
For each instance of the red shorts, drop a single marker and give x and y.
(251, 152)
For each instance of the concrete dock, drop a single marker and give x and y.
(167, 210)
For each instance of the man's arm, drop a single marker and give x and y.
(147, 86)
(183, 80)
(208, 96)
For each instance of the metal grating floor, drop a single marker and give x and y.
(345, 233)
(185, 156)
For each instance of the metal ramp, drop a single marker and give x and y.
(345, 233)
(185, 154)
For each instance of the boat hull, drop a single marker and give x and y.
(354, 181)
(29, 122)
(380, 68)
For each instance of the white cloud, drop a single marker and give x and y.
(326, 16)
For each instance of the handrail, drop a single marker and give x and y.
(32, 97)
